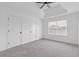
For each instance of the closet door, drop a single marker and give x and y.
(14, 31)
(38, 30)
(28, 29)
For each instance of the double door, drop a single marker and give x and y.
(14, 31)
(22, 30)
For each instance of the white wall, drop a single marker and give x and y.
(72, 36)
(78, 31)
(30, 15)
(3, 28)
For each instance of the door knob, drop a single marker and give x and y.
(20, 32)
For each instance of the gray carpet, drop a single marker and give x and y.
(42, 48)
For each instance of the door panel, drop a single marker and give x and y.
(14, 29)
(28, 30)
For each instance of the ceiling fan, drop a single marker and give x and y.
(45, 3)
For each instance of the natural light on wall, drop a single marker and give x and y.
(57, 27)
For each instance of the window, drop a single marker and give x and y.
(57, 27)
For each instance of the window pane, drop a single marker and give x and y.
(52, 27)
(61, 27)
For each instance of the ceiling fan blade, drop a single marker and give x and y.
(45, 3)
(42, 6)
(40, 2)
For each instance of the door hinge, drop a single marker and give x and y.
(8, 18)
(8, 30)
(8, 42)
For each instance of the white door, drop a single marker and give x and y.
(38, 29)
(14, 31)
(28, 30)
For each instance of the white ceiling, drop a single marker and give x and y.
(27, 8)
(61, 8)
(32, 9)
(70, 6)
